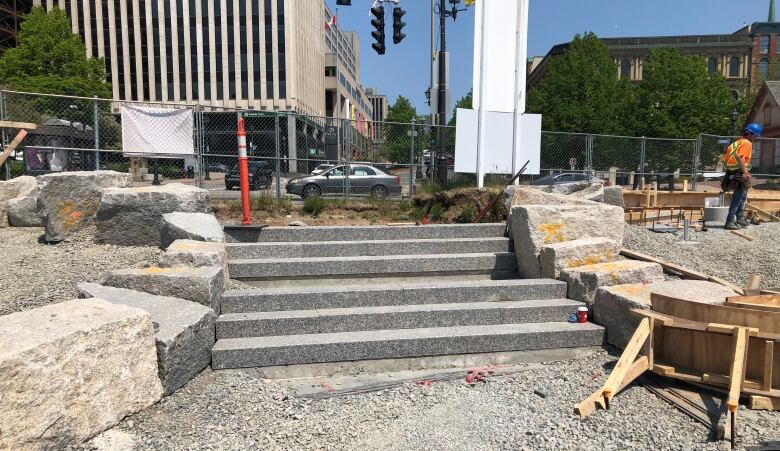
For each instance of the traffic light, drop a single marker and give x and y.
(398, 25)
(378, 22)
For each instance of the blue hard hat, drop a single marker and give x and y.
(755, 129)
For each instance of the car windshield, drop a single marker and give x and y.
(323, 167)
(336, 172)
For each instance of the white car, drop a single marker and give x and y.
(322, 168)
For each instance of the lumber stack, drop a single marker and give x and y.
(729, 347)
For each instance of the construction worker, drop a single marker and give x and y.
(736, 161)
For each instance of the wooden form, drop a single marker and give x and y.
(767, 302)
(761, 212)
(675, 213)
(753, 287)
(681, 270)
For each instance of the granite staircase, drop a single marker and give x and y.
(342, 294)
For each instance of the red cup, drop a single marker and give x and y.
(582, 315)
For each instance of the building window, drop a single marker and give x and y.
(145, 75)
(243, 47)
(734, 67)
(193, 49)
(763, 68)
(735, 94)
(777, 152)
(218, 47)
(764, 45)
(767, 114)
(269, 50)
(712, 65)
(281, 49)
(256, 46)
(169, 49)
(330, 71)
(204, 16)
(625, 69)
(120, 56)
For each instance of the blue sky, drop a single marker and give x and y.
(404, 69)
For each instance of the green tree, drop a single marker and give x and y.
(580, 91)
(396, 130)
(679, 98)
(464, 102)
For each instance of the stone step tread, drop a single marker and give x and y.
(333, 233)
(392, 286)
(412, 308)
(379, 336)
(368, 258)
(381, 241)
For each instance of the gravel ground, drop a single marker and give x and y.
(718, 252)
(236, 409)
(33, 274)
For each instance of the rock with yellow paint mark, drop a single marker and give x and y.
(194, 254)
(612, 306)
(134, 216)
(571, 254)
(68, 201)
(535, 226)
(529, 195)
(584, 281)
(203, 285)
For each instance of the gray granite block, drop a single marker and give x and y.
(584, 281)
(203, 285)
(401, 343)
(370, 265)
(433, 292)
(571, 254)
(190, 226)
(195, 254)
(237, 251)
(184, 331)
(362, 233)
(264, 324)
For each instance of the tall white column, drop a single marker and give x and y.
(139, 61)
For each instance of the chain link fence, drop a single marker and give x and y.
(354, 158)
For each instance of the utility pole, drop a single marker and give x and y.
(442, 94)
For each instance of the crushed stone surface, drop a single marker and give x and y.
(717, 252)
(34, 274)
(237, 409)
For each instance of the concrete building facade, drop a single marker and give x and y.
(380, 105)
(256, 54)
(11, 12)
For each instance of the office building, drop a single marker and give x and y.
(379, 105)
(11, 12)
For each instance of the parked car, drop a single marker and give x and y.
(558, 179)
(260, 176)
(216, 167)
(363, 179)
(322, 168)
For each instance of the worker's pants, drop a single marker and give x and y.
(738, 199)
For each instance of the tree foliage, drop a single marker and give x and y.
(51, 59)
(580, 91)
(464, 102)
(396, 130)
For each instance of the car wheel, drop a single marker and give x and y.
(311, 190)
(379, 192)
(265, 182)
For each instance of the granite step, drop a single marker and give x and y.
(433, 291)
(239, 251)
(502, 264)
(401, 343)
(264, 324)
(363, 233)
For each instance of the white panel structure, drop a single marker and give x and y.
(158, 132)
(500, 54)
(497, 154)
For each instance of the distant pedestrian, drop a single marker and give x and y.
(736, 161)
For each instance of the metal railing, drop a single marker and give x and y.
(76, 133)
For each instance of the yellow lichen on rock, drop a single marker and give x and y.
(553, 232)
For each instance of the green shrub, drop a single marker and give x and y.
(17, 168)
(118, 167)
(271, 205)
(468, 214)
(314, 205)
(436, 211)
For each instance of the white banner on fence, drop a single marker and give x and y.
(157, 132)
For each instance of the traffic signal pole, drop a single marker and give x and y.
(442, 94)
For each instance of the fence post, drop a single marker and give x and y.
(589, 155)
(411, 160)
(96, 129)
(278, 155)
(347, 157)
(696, 157)
(6, 165)
(642, 159)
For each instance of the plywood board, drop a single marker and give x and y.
(768, 322)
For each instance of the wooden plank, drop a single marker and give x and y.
(769, 300)
(746, 305)
(588, 406)
(22, 125)
(762, 212)
(12, 146)
(630, 353)
(753, 287)
(668, 321)
(737, 369)
(758, 402)
(769, 361)
(766, 322)
(742, 235)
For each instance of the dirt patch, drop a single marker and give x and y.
(462, 205)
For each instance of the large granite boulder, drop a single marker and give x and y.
(613, 195)
(68, 201)
(71, 370)
(184, 331)
(534, 226)
(613, 305)
(570, 254)
(134, 216)
(594, 193)
(195, 254)
(203, 285)
(584, 281)
(530, 195)
(24, 187)
(190, 226)
(567, 188)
